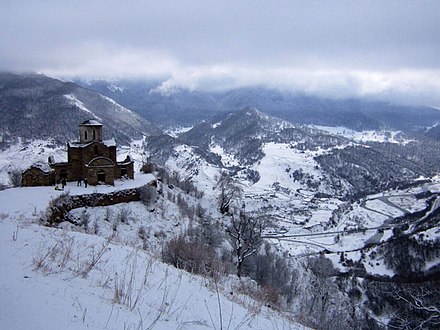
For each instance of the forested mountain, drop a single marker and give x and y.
(35, 106)
(342, 166)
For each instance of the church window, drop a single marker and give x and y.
(94, 136)
(85, 135)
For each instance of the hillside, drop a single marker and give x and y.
(67, 277)
(38, 107)
(269, 152)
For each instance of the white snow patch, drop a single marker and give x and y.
(72, 98)
(364, 136)
(176, 131)
(381, 207)
(117, 105)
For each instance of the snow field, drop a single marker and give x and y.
(383, 208)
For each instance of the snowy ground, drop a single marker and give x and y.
(365, 136)
(61, 279)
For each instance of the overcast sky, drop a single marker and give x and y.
(384, 49)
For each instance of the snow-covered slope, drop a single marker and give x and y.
(53, 278)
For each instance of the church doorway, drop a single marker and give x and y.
(101, 176)
(63, 174)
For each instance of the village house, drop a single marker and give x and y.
(89, 158)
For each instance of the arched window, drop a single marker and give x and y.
(94, 135)
(85, 135)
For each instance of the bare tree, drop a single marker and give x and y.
(245, 233)
(229, 191)
(419, 306)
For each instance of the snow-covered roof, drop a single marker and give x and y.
(42, 166)
(126, 161)
(107, 143)
(110, 143)
(77, 144)
(91, 122)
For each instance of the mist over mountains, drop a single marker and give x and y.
(183, 107)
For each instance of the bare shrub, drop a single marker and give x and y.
(85, 220)
(65, 255)
(148, 194)
(147, 167)
(265, 295)
(124, 214)
(55, 258)
(128, 290)
(94, 257)
(108, 214)
(192, 256)
(15, 177)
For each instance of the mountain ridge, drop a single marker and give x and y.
(183, 107)
(35, 106)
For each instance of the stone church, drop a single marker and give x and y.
(89, 158)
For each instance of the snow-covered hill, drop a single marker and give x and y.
(54, 278)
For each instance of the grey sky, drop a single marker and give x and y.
(335, 48)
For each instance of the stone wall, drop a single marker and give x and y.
(59, 208)
(36, 177)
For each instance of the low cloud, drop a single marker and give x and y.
(381, 49)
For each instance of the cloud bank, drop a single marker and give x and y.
(388, 50)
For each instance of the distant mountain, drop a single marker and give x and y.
(35, 106)
(247, 142)
(244, 132)
(183, 107)
(165, 109)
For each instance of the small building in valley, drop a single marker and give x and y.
(89, 158)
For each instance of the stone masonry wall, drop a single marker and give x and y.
(59, 208)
